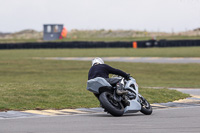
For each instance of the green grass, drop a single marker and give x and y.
(108, 52)
(161, 95)
(27, 83)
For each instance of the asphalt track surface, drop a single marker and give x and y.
(172, 120)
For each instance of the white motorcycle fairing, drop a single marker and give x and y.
(95, 84)
(135, 105)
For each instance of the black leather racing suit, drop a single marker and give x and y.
(103, 70)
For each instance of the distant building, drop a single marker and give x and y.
(52, 31)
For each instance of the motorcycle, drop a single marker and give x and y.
(130, 101)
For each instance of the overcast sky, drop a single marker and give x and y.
(150, 15)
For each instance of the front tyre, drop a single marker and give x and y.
(146, 107)
(112, 106)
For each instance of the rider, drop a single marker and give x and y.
(99, 69)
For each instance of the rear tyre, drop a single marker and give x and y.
(146, 107)
(112, 106)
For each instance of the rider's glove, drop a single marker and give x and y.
(128, 77)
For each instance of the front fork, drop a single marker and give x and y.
(143, 101)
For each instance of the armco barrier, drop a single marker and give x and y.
(136, 44)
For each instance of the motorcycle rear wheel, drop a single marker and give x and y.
(112, 106)
(146, 107)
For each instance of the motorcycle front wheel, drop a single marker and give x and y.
(112, 106)
(146, 107)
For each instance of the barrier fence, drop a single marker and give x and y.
(135, 44)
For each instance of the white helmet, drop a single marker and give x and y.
(97, 60)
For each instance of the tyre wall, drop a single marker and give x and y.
(136, 44)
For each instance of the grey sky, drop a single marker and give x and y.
(151, 15)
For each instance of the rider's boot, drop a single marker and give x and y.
(120, 90)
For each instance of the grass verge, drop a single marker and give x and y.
(46, 84)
